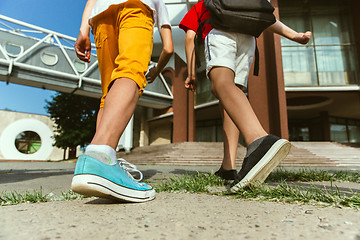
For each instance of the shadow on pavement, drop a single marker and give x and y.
(13, 176)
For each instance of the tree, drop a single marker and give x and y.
(75, 120)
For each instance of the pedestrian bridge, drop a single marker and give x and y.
(37, 57)
(41, 58)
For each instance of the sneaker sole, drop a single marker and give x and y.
(264, 167)
(95, 186)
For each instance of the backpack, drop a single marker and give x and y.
(243, 16)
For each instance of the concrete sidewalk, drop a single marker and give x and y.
(169, 216)
(56, 177)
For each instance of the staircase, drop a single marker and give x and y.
(302, 154)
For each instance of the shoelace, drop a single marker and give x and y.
(130, 168)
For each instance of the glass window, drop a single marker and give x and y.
(354, 134)
(80, 66)
(203, 89)
(209, 131)
(28, 142)
(329, 58)
(13, 49)
(49, 58)
(338, 133)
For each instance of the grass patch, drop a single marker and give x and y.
(197, 183)
(203, 182)
(283, 192)
(295, 194)
(312, 175)
(36, 196)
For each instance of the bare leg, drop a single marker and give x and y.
(119, 106)
(99, 116)
(236, 104)
(231, 138)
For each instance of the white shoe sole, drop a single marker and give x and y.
(264, 167)
(95, 186)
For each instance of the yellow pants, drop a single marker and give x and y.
(124, 40)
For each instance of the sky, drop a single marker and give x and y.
(60, 16)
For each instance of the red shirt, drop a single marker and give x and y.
(192, 17)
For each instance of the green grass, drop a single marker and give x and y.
(14, 197)
(283, 192)
(311, 175)
(205, 183)
(198, 183)
(295, 194)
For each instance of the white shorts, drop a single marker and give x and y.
(232, 50)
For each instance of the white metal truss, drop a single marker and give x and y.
(86, 82)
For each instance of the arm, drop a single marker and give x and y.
(83, 43)
(166, 53)
(280, 28)
(190, 82)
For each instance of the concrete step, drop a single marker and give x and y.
(211, 154)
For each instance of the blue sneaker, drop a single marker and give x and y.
(95, 178)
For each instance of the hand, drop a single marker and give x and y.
(151, 75)
(302, 38)
(191, 83)
(83, 47)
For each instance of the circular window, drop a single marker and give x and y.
(80, 65)
(13, 49)
(8, 137)
(49, 58)
(28, 142)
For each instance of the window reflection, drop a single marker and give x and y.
(329, 58)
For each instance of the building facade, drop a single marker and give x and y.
(304, 93)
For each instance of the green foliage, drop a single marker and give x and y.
(75, 119)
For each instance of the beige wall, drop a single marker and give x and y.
(13, 122)
(160, 132)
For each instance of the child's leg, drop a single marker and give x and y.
(124, 44)
(231, 139)
(122, 83)
(236, 104)
(119, 106)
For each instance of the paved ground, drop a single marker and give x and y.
(169, 216)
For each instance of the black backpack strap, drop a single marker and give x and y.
(256, 63)
(198, 40)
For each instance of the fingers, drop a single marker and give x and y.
(151, 75)
(302, 38)
(190, 84)
(308, 34)
(83, 56)
(83, 47)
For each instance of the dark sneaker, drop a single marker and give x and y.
(260, 163)
(226, 174)
(95, 178)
